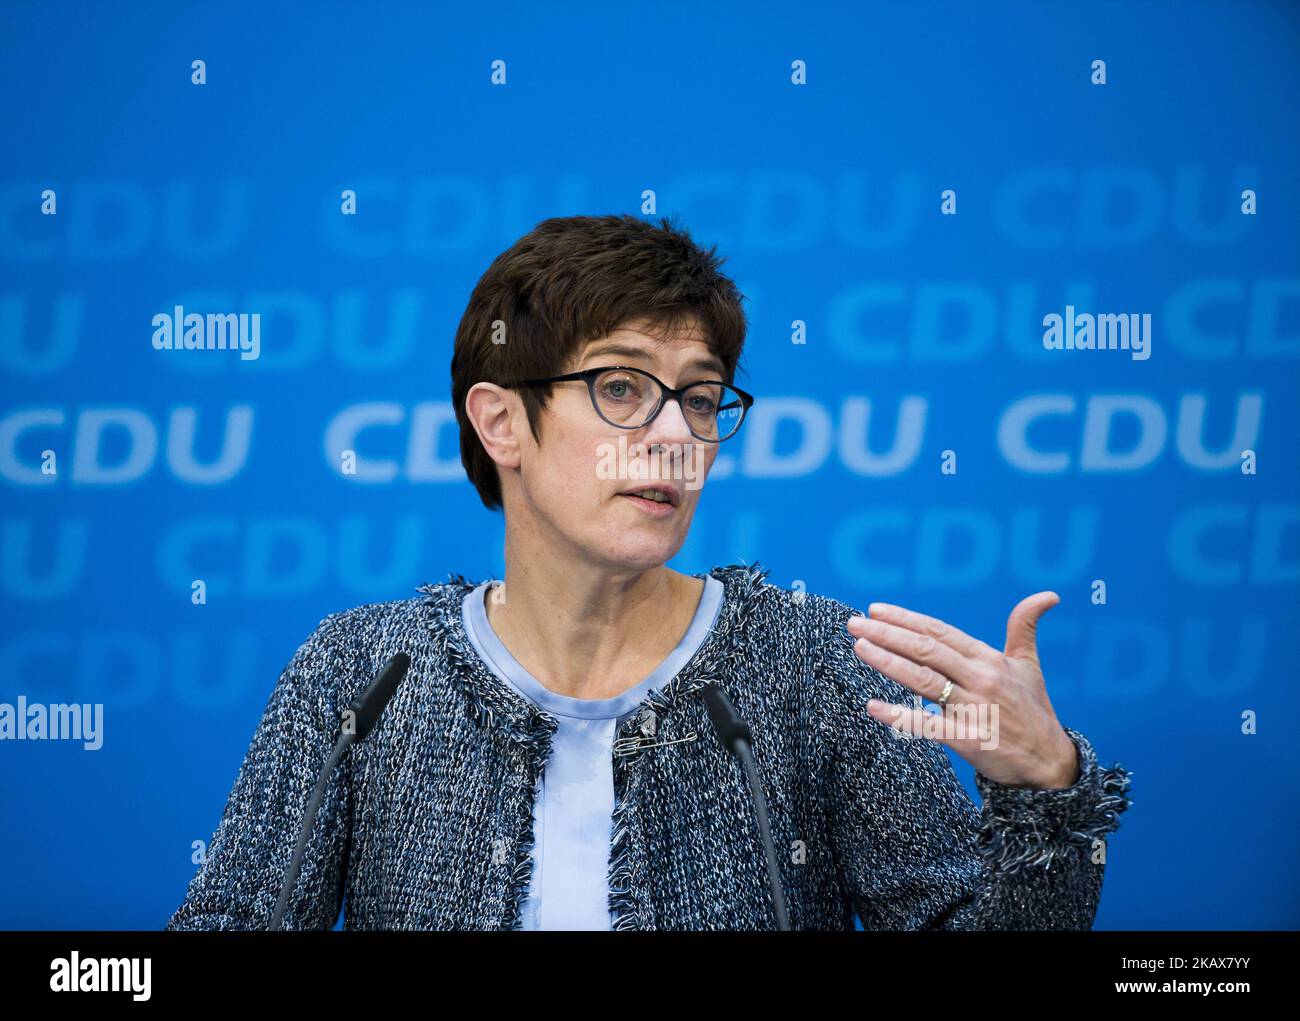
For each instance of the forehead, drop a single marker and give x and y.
(637, 341)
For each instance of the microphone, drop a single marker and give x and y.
(364, 710)
(733, 733)
(367, 706)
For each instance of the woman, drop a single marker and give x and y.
(548, 762)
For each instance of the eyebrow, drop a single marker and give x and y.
(628, 351)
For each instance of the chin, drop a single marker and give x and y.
(642, 556)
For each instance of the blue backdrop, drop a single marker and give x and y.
(127, 187)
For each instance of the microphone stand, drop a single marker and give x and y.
(365, 711)
(735, 736)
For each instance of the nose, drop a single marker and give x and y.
(669, 426)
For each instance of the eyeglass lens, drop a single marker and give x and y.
(712, 411)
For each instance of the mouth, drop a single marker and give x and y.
(659, 499)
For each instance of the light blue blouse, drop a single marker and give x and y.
(572, 812)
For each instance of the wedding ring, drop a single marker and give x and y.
(947, 690)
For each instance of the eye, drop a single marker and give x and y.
(618, 388)
(704, 399)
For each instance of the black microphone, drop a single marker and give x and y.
(733, 733)
(364, 712)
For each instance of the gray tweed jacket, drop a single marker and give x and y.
(427, 823)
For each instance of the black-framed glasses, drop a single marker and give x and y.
(629, 398)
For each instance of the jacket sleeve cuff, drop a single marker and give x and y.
(1029, 826)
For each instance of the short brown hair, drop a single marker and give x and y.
(573, 279)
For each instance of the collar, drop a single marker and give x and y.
(500, 709)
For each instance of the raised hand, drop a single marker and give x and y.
(1022, 743)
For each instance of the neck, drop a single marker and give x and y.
(590, 631)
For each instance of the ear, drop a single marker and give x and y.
(493, 412)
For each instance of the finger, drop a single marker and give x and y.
(935, 628)
(920, 648)
(1022, 625)
(905, 720)
(962, 733)
(925, 681)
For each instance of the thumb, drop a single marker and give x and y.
(1022, 625)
